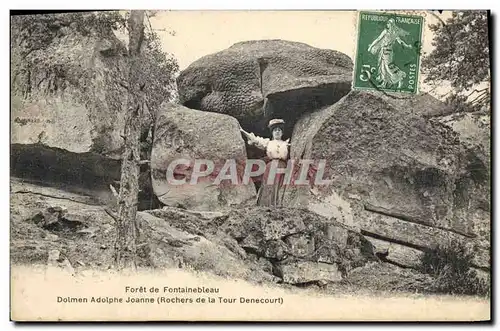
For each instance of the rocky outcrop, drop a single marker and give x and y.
(52, 225)
(164, 246)
(68, 102)
(69, 89)
(396, 175)
(69, 78)
(399, 255)
(182, 133)
(302, 246)
(258, 244)
(474, 131)
(253, 79)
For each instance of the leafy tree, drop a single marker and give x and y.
(461, 58)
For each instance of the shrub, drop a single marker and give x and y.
(451, 266)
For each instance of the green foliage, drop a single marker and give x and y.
(451, 267)
(461, 57)
(159, 69)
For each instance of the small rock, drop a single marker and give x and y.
(305, 272)
(57, 261)
(227, 144)
(337, 234)
(51, 236)
(53, 256)
(103, 247)
(89, 231)
(354, 196)
(251, 242)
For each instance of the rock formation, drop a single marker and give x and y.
(405, 177)
(397, 175)
(253, 79)
(292, 246)
(182, 133)
(68, 91)
(69, 101)
(403, 180)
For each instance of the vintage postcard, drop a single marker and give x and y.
(229, 166)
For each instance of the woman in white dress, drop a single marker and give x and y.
(276, 149)
(388, 73)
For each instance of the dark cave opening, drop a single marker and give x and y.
(81, 173)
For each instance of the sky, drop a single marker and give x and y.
(189, 35)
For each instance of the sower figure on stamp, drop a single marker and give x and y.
(388, 73)
(277, 153)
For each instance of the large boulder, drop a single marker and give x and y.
(165, 246)
(69, 78)
(253, 79)
(395, 174)
(68, 101)
(302, 246)
(182, 133)
(68, 84)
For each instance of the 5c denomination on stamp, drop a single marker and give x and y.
(388, 52)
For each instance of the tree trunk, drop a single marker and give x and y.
(125, 247)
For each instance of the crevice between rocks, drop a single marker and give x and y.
(384, 258)
(407, 244)
(90, 203)
(88, 174)
(383, 211)
(392, 240)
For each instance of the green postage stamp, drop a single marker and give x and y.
(388, 52)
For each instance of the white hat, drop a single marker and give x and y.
(275, 122)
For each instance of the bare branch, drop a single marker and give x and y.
(437, 17)
(480, 96)
(480, 100)
(477, 91)
(112, 214)
(127, 231)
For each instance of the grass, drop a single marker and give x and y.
(450, 265)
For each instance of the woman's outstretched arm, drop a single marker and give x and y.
(259, 142)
